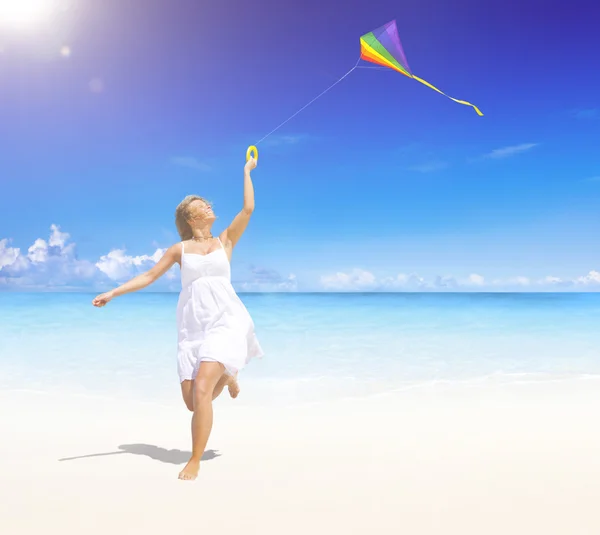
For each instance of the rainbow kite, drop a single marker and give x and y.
(383, 47)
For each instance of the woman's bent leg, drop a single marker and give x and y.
(187, 390)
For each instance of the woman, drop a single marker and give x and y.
(216, 333)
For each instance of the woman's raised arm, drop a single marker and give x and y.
(237, 227)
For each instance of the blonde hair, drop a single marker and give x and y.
(182, 214)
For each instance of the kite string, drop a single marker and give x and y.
(307, 105)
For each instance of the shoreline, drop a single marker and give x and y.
(254, 384)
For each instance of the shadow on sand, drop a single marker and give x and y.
(154, 452)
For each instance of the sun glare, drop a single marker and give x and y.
(24, 12)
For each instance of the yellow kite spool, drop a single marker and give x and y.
(252, 149)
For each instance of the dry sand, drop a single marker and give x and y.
(480, 459)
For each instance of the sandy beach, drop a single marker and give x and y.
(447, 458)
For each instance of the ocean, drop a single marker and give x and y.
(317, 346)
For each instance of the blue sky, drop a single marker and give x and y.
(380, 184)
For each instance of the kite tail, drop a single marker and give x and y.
(441, 92)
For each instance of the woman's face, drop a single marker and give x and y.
(201, 212)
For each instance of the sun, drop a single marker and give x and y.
(24, 12)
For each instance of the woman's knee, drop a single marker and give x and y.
(203, 389)
(206, 380)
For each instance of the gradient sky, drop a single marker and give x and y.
(380, 184)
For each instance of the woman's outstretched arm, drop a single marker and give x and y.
(145, 279)
(237, 227)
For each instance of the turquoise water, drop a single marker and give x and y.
(316, 345)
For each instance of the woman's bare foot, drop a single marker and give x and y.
(190, 472)
(233, 387)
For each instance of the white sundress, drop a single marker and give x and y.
(212, 322)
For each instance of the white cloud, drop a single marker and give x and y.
(398, 280)
(55, 246)
(593, 277)
(8, 255)
(402, 281)
(38, 252)
(358, 279)
(117, 265)
(53, 263)
(57, 238)
(444, 281)
(505, 152)
(515, 281)
(361, 280)
(551, 280)
(48, 263)
(262, 279)
(191, 163)
(476, 280)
